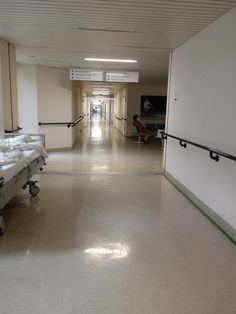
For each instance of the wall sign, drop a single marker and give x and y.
(86, 75)
(122, 76)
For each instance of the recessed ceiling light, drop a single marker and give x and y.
(111, 60)
(98, 91)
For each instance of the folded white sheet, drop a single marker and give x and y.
(38, 147)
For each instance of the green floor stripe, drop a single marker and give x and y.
(106, 173)
(225, 233)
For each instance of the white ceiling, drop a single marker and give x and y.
(62, 33)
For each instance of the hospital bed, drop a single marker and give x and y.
(21, 156)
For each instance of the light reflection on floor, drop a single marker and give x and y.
(96, 127)
(96, 132)
(111, 251)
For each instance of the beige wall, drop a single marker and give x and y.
(84, 102)
(135, 91)
(55, 105)
(27, 98)
(75, 107)
(48, 95)
(8, 86)
(120, 110)
(74, 99)
(83, 107)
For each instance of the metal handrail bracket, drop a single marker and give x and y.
(68, 124)
(213, 153)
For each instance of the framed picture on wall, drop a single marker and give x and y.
(151, 106)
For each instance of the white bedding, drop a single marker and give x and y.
(18, 152)
(9, 171)
(32, 146)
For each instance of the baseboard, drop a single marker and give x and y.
(214, 218)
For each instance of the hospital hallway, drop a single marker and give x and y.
(108, 233)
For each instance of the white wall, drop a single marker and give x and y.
(203, 79)
(8, 96)
(55, 105)
(5, 82)
(1, 105)
(13, 86)
(27, 98)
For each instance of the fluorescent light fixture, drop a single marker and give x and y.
(100, 93)
(97, 102)
(111, 60)
(101, 89)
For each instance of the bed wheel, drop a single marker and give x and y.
(2, 226)
(34, 190)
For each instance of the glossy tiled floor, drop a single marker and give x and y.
(108, 234)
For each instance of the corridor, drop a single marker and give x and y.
(108, 233)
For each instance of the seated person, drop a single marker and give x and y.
(141, 129)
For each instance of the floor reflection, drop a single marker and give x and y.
(96, 127)
(111, 251)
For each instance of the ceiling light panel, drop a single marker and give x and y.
(111, 60)
(101, 93)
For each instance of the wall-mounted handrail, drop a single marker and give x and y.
(68, 124)
(118, 118)
(13, 131)
(78, 120)
(213, 153)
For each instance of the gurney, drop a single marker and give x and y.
(21, 156)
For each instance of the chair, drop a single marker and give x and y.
(140, 137)
(159, 131)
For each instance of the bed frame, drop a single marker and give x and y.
(21, 180)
